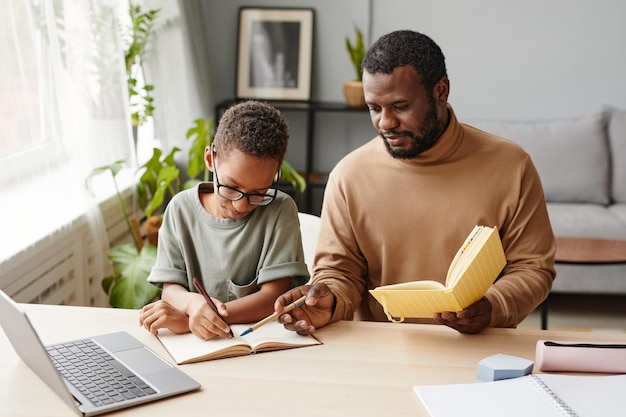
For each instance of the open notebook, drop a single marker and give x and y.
(541, 395)
(187, 348)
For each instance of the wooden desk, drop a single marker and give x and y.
(363, 369)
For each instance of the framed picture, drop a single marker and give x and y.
(275, 48)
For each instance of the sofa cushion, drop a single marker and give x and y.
(617, 138)
(587, 220)
(571, 155)
(619, 211)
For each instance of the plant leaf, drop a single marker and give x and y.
(167, 176)
(203, 132)
(131, 289)
(113, 168)
(289, 173)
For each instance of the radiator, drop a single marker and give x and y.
(59, 268)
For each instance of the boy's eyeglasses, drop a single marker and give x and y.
(233, 194)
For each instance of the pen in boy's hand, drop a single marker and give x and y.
(201, 290)
(298, 303)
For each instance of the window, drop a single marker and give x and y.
(63, 109)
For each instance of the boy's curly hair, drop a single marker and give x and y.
(255, 128)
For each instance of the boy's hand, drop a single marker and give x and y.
(315, 313)
(204, 322)
(161, 314)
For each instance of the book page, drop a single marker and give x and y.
(399, 304)
(482, 266)
(583, 396)
(589, 396)
(416, 285)
(460, 253)
(187, 348)
(273, 336)
(467, 253)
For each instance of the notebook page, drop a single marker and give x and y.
(590, 396)
(516, 397)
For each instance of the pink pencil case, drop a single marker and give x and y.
(580, 356)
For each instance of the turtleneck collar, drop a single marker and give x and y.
(446, 145)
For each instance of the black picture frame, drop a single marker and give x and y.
(274, 54)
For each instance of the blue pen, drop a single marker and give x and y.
(298, 303)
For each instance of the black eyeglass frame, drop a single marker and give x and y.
(266, 199)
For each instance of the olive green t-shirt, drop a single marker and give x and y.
(231, 257)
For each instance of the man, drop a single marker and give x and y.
(397, 209)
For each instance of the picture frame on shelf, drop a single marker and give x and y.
(274, 53)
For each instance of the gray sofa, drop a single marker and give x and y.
(582, 165)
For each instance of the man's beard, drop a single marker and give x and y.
(431, 131)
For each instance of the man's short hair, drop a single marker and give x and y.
(406, 47)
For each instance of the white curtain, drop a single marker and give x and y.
(63, 111)
(176, 63)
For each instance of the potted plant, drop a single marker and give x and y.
(353, 89)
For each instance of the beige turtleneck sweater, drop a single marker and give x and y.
(386, 221)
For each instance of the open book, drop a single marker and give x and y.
(187, 348)
(476, 265)
(544, 395)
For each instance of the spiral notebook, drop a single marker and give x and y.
(544, 395)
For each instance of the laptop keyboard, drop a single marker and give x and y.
(97, 374)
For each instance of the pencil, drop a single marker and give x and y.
(201, 290)
(299, 302)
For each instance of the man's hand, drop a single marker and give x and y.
(471, 320)
(315, 313)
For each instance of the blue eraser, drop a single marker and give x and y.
(500, 366)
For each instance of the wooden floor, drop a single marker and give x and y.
(600, 313)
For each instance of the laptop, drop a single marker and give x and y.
(137, 375)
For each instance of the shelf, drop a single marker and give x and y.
(314, 106)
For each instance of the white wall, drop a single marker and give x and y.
(522, 60)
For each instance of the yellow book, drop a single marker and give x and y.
(476, 265)
(187, 348)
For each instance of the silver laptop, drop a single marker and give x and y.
(95, 375)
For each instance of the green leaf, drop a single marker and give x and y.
(288, 173)
(131, 288)
(151, 171)
(169, 158)
(167, 176)
(142, 195)
(140, 30)
(113, 168)
(356, 52)
(107, 283)
(203, 132)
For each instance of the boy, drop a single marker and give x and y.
(239, 235)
